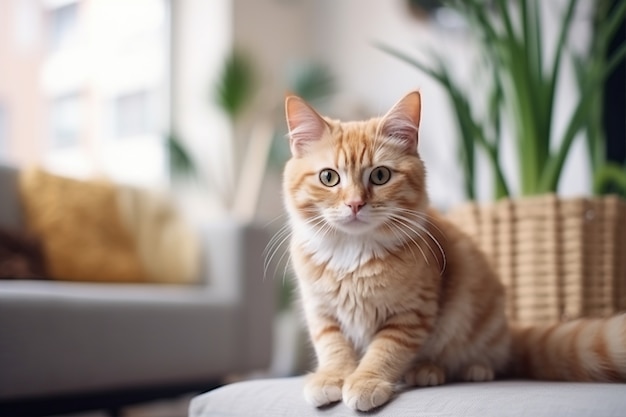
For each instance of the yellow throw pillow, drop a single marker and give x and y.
(79, 222)
(168, 247)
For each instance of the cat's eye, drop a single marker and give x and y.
(329, 177)
(380, 175)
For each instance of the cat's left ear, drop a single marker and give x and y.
(306, 126)
(402, 122)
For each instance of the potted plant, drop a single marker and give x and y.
(559, 257)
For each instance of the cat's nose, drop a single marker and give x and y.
(355, 205)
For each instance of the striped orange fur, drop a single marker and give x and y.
(390, 290)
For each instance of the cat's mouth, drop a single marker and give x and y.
(355, 224)
(355, 220)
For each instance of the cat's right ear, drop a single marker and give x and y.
(305, 125)
(402, 122)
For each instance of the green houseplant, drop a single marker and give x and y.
(558, 257)
(233, 93)
(525, 75)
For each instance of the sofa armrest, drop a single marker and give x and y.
(232, 266)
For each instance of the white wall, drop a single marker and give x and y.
(277, 34)
(202, 37)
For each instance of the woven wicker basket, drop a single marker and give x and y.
(559, 258)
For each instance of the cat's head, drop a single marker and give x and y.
(355, 177)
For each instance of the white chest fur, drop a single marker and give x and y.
(341, 252)
(350, 291)
(356, 303)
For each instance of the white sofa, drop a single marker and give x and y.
(66, 346)
(283, 398)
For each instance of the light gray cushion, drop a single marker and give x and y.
(283, 397)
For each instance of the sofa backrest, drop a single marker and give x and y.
(10, 205)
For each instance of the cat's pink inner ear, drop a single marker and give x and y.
(402, 122)
(305, 125)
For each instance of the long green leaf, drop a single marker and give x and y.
(510, 53)
(478, 16)
(410, 60)
(552, 82)
(560, 47)
(615, 20)
(469, 130)
(542, 108)
(610, 177)
(467, 149)
(554, 167)
(503, 10)
(474, 133)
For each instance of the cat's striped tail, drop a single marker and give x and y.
(579, 350)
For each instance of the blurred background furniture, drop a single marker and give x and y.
(69, 346)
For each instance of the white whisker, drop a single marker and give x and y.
(403, 222)
(279, 240)
(274, 220)
(420, 215)
(422, 218)
(286, 252)
(285, 229)
(393, 227)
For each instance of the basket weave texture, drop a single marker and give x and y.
(559, 258)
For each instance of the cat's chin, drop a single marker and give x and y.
(355, 227)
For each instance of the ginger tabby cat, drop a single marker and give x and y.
(393, 292)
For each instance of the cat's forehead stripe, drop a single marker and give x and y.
(354, 144)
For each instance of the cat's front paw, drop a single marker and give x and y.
(364, 393)
(323, 388)
(479, 373)
(425, 375)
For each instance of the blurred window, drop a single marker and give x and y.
(133, 114)
(64, 26)
(65, 116)
(27, 25)
(94, 98)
